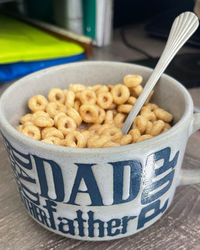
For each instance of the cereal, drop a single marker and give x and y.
(101, 115)
(110, 144)
(135, 133)
(137, 90)
(37, 103)
(104, 100)
(42, 121)
(124, 108)
(71, 112)
(161, 114)
(69, 97)
(53, 140)
(92, 116)
(26, 118)
(120, 94)
(76, 87)
(56, 95)
(126, 139)
(89, 113)
(109, 117)
(49, 132)
(140, 122)
(132, 81)
(88, 97)
(75, 139)
(157, 127)
(66, 124)
(77, 105)
(97, 141)
(53, 108)
(32, 131)
(131, 100)
(144, 137)
(119, 120)
(114, 133)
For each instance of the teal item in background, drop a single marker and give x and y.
(89, 18)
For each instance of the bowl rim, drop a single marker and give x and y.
(13, 132)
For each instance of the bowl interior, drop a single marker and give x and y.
(168, 94)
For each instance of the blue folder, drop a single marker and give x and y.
(12, 71)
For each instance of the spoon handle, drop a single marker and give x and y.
(182, 28)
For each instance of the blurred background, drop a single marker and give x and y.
(35, 34)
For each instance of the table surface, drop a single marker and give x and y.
(179, 228)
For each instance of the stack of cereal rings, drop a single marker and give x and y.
(92, 117)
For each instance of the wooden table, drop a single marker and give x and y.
(179, 228)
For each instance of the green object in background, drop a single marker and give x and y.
(89, 18)
(22, 42)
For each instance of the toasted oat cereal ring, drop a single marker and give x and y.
(69, 97)
(137, 90)
(132, 81)
(53, 108)
(149, 98)
(49, 132)
(131, 100)
(75, 139)
(148, 127)
(141, 123)
(65, 124)
(110, 144)
(143, 138)
(86, 134)
(39, 113)
(53, 140)
(101, 115)
(89, 113)
(57, 117)
(114, 133)
(149, 115)
(120, 94)
(76, 87)
(77, 104)
(124, 108)
(43, 121)
(32, 131)
(28, 123)
(102, 89)
(109, 117)
(151, 106)
(161, 114)
(104, 100)
(95, 87)
(56, 95)
(88, 96)
(119, 120)
(135, 133)
(71, 112)
(97, 141)
(104, 126)
(157, 127)
(26, 118)
(37, 103)
(126, 139)
(94, 128)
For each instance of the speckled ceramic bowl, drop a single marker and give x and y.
(97, 194)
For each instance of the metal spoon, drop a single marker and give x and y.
(182, 28)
